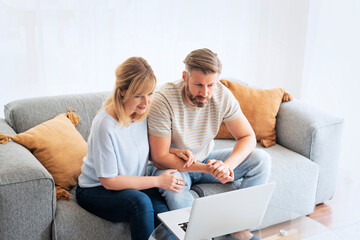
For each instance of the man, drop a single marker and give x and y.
(186, 115)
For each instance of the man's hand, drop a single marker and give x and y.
(185, 155)
(221, 171)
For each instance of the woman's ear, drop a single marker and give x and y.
(122, 92)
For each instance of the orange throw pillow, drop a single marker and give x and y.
(260, 107)
(58, 146)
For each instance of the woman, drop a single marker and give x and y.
(112, 184)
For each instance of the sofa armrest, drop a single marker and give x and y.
(316, 135)
(27, 193)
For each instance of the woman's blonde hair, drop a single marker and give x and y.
(136, 77)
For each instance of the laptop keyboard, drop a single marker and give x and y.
(183, 226)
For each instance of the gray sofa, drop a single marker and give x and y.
(304, 167)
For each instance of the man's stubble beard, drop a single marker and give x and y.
(194, 99)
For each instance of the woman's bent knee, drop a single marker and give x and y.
(141, 203)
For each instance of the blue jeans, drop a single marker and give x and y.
(138, 207)
(254, 170)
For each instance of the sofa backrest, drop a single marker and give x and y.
(24, 114)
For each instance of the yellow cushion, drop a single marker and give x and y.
(260, 107)
(59, 147)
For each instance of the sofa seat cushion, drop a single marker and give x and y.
(296, 181)
(74, 222)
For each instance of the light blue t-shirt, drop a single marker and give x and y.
(113, 151)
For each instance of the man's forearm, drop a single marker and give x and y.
(171, 161)
(242, 149)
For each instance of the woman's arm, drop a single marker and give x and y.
(165, 181)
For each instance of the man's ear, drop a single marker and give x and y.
(184, 76)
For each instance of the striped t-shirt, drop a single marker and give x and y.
(190, 127)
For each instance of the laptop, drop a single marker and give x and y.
(220, 214)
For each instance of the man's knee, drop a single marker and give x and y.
(262, 159)
(183, 175)
(187, 183)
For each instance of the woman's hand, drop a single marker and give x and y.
(171, 182)
(185, 155)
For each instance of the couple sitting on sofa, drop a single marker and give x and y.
(178, 131)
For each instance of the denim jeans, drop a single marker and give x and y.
(138, 207)
(254, 170)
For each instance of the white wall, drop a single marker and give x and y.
(308, 47)
(332, 69)
(60, 47)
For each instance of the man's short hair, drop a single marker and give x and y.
(202, 60)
